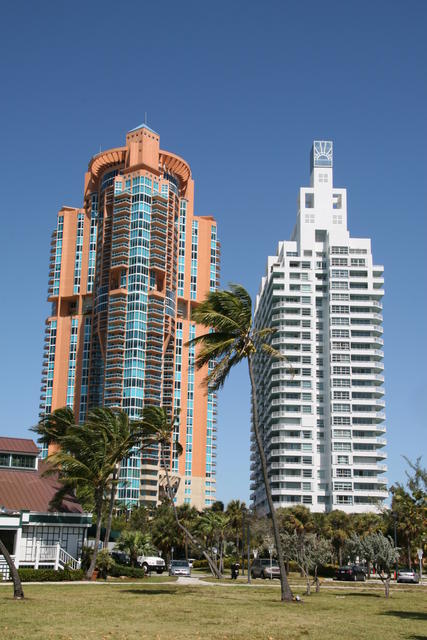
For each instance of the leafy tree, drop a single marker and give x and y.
(18, 592)
(340, 525)
(135, 543)
(158, 429)
(164, 531)
(188, 515)
(139, 519)
(234, 339)
(409, 507)
(298, 518)
(378, 550)
(213, 525)
(308, 551)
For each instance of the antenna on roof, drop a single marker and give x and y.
(145, 118)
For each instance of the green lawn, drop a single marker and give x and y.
(160, 611)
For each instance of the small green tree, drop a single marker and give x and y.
(308, 551)
(135, 543)
(377, 549)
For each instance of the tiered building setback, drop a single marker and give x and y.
(322, 407)
(126, 270)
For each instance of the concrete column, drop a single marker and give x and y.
(17, 546)
(58, 548)
(37, 558)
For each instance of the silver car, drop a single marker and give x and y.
(407, 575)
(179, 568)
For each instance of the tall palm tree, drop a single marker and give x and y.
(213, 525)
(158, 429)
(83, 463)
(53, 426)
(123, 434)
(236, 511)
(18, 592)
(234, 339)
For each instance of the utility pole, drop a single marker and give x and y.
(249, 553)
(243, 545)
(394, 514)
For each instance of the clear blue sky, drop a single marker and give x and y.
(240, 89)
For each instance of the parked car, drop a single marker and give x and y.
(179, 568)
(152, 563)
(120, 557)
(261, 568)
(353, 572)
(408, 575)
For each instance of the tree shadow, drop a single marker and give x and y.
(143, 591)
(365, 594)
(407, 615)
(417, 637)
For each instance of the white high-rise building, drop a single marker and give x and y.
(321, 407)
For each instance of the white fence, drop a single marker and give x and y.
(52, 556)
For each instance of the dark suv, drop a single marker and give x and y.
(353, 572)
(260, 568)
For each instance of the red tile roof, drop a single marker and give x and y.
(18, 445)
(29, 490)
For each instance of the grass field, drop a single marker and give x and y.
(159, 611)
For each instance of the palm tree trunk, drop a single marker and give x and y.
(113, 493)
(286, 593)
(98, 503)
(190, 537)
(18, 592)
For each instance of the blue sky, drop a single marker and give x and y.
(240, 90)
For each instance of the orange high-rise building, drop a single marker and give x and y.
(126, 270)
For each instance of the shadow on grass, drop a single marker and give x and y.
(407, 615)
(148, 591)
(364, 594)
(417, 637)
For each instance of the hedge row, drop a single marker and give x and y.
(118, 570)
(50, 575)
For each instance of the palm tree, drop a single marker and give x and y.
(213, 524)
(236, 511)
(18, 592)
(135, 543)
(53, 426)
(158, 429)
(83, 463)
(123, 434)
(234, 339)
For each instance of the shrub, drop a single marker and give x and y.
(117, 570)
(50, 575)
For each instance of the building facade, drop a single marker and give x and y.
(126, 271)
(321, 406)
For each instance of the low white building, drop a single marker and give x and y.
(35, 535)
